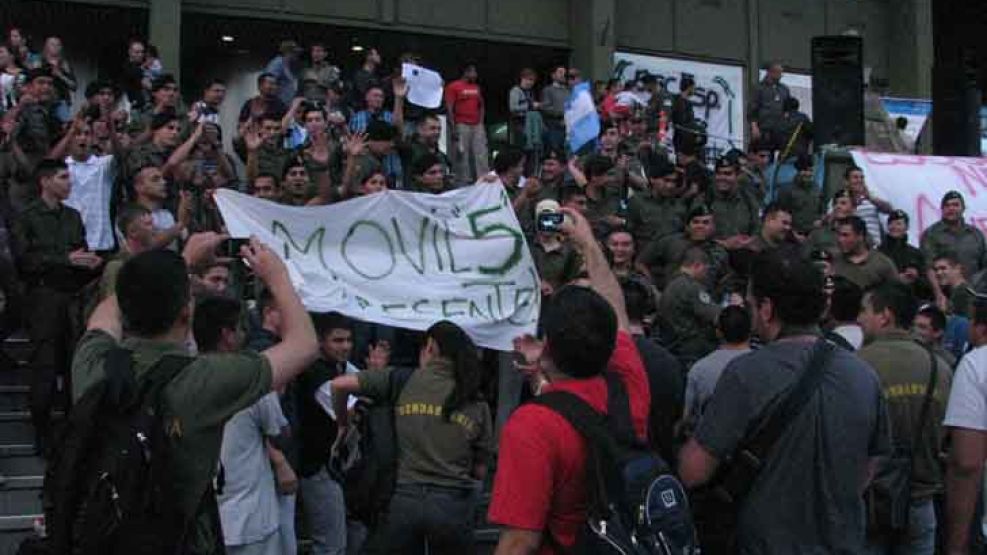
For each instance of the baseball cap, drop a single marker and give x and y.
(952, 195)
(699, 211)
(898, 214)
(547, 205)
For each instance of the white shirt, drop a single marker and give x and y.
(853, 334)
(91, 195)
(323, 395)
(248, 505)
(967, 406)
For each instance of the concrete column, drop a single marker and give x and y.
(910, 48)
(164, 31)
(592, 36)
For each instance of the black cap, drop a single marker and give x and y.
(699, 211)
(725, 162)
(821, 255)
(803, 162)
(898, 214)
(378, 130)
(952, 195)
(842, 193)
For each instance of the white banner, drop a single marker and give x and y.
(405, 259)
(916, 184)
(719, 96)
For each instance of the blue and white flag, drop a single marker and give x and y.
(582, 122)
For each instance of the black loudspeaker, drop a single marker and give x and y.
(838, 90)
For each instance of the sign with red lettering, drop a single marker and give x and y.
(916, 184)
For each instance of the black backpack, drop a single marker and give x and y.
(372, 448)
(108, 485)
(635, 504)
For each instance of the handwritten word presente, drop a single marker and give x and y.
(405, 259)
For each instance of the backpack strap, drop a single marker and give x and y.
(619, 418)
(601, 449)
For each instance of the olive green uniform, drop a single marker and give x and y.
(966, 242)
(662, 258)
(688, 318)
(735, 214)
(874, 271)
(805, 201)
(904, 367)
(432, 449)
(557, 266)
(651, 216)
(198, 402)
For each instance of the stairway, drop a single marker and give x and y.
(21, 471)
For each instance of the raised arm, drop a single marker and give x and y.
(601, 277)
(298, 347)
(182, 153)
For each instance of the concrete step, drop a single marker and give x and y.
(14, 397)
(18, 432)
(15, 376)
(21, 495)
(20, 460)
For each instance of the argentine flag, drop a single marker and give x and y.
(582, 123)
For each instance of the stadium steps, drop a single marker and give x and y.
(21, 471)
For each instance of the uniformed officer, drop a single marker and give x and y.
(657, 212)
(661, 257)
(686, 310)
(50, 249)
(823, 236)
(804, 198)
(735, 211)
(952, 234)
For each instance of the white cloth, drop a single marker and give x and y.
(249, 505)
(91, 195)
(967, 406)
(853, 334)
(323, 395)
(424, 85)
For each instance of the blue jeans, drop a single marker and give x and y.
(420, 514)
(325, 513)
(921, 536)
(286, 523)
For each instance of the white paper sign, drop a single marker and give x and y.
(424, 86)
(916, 184)
(405, 259)
(719, 96)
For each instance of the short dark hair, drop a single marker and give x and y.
(507, 159)
(949, 256)
(213, 314)
(47, 168)
(790, 104)
(292, 163)
(152, 289)
(896, 297)
(327, 321)
(794, 286)
(162, 119)
(163, 81)
(423, 163)
(685, 83)
(638, 298)
(855, 222)
(937, 318)
(693, 255)
(93, 88)
(597, 165)
(850, 169)
(774, 207)
(844, 303)
(128, 215)
(734, 324)
(265, 75)
(580, 330)
(214, 81)
(267, 175)
(569, 191)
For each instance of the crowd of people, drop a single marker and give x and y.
(705, 294)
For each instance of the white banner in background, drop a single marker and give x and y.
(916, 184)
(799, 84)
(719, 96)
(405, 259)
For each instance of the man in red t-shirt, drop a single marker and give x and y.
(539, 494)
(464, 107)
